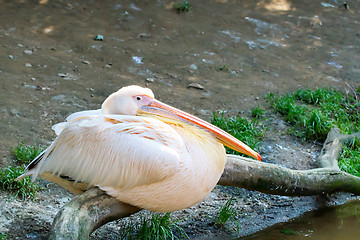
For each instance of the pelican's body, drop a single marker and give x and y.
(144, 157)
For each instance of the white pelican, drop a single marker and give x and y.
(138, 150)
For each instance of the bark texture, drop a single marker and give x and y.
(87, 212)
(92, 209)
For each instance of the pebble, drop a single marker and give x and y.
(67, 76)
(196, 86)
(193, 67)
(62, 74)
(85, 62)
(150, 79)
(144, 35)
(28, 65)
(28, 51)
(14, 112)
(99, 38)
(107, 66)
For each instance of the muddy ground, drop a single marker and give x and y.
(234, 51)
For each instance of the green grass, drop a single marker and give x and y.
(25, 154)
(183, 6)
(313, 113)
(3, 236)
(157, 227)
(224, 68)
(349, 160)
(23, 189)
(257, 112)
(227, 212)
(249, 132)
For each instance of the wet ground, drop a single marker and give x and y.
(221, 55)
(329, 224)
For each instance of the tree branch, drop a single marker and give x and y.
(87, 212)
(269, 178)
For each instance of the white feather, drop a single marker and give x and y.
(60, 126)
(97, 151)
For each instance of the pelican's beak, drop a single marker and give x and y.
(161, 109)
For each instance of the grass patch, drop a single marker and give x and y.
(314, 112)
(249, 132)
(3, 236)
(227, 212)
(157, 227)
(183, 6)
(257, 112)
(25, 154)
(23, 189)
(224, 68)
(349, 160)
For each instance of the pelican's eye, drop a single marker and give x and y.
(138, 98)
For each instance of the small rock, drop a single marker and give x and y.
(28, 65)
(62, 74)
(144, 35)
(85, 62)
(193, 67)
(14, 112)
(196, 86)
(137, 60)
(150, 79)
(134, 7)
(28, 51)
(33, 79)
(39, 87)
(107, 66)
(11, 56)
(99, 38)
(67, 76)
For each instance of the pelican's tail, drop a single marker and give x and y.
(31, 169)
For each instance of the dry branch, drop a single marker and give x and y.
(87, 212)
(90, 210)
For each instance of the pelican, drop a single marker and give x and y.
(138, 150)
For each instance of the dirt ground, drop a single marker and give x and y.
(220, 56)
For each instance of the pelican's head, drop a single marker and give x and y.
(127, 101)
(135, 100)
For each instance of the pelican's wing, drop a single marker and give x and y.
(60, 126)
(114, 151)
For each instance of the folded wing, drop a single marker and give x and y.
(114, 151)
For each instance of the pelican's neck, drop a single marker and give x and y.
(202, 145)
